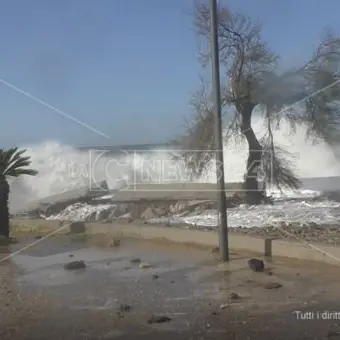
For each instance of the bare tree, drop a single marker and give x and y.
(250, 80)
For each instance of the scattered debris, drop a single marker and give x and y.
(234, 296)
(159, 319)
(155, 277)
(124, 308)
(272, 285)
(224, 306)
(75, 265)
(256, 265)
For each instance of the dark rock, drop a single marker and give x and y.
(124, 307)
(38, 237)
(256, 265)
(272, 285)
(77, 227)
(159, 319)
(155, 277)
(215, 250)
(70, 255)
(75, 265)
(234, 296)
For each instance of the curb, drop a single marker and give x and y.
(262, 246)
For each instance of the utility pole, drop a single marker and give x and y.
(221, 195)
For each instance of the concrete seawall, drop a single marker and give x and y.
(262, 246)
(323, 253)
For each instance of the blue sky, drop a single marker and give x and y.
(125, 67)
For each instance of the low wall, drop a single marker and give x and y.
(237, 242)
(175, 191)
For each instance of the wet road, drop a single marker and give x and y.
(41, 300)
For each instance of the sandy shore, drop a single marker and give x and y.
(40, 300)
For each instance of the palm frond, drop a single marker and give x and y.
(14, 164)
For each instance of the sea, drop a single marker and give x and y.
(63, 167)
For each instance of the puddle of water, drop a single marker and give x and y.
(49, 270)
(88, 255)
(107, 267)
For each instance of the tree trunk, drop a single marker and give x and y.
(4, 211)
(254, 194)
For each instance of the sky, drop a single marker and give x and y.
(125, 68)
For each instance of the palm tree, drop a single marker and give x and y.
(12, 164)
